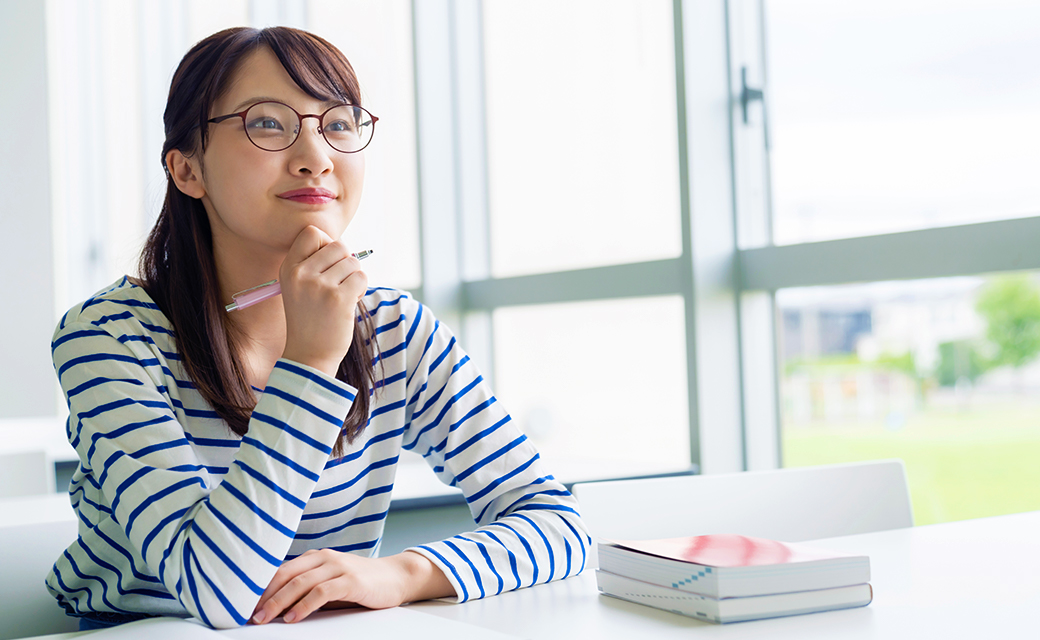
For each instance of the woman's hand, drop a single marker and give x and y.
(325, 577)
(321, 285)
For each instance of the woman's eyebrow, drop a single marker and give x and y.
(255, 99)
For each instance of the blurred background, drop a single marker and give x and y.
(678, 236)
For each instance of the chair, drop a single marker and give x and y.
(33, 533)
(26, 473)
(790, 505)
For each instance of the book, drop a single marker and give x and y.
(726, 566)
(725, 610)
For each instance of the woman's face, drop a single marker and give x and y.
(244, 185)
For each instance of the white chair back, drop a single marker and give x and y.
(25, 473)
(790, 505)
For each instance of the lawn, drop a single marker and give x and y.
(960, 463)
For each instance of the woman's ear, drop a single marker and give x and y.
(186, 173)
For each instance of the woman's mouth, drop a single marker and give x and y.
(309, 196)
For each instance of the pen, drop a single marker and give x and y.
(262, 292)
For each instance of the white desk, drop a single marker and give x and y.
(972, 579)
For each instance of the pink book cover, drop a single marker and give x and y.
(728, 550)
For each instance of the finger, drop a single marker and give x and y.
(357, 283)
(331, 255)
(322, 594)
(321, 260)
(307, 242)
(286, 572)
(354, 284)
(291, 593)
(342, 269)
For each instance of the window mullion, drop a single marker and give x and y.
(985, 247)
(477, 328)
(436, 142)
(713, 347)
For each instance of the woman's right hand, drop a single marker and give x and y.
(321, 286)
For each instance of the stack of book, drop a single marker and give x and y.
(730, 578)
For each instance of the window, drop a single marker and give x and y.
(882, 194)
(943, 374)
(895, 115)
(568, 236)
(649, 193)
(599, 387)
(581, 134)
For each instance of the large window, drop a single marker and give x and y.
(940, 373)
(676, 234)
(583, 171)
(901, 114)
(581, 134)
(884, 118)
(600, 387)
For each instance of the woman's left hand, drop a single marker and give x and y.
(323, 577)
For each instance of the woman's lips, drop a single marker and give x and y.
(309, 196)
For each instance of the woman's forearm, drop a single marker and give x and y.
(425, 580)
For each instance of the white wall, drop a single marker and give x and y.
(27, 274)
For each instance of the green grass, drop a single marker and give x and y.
(960, 464)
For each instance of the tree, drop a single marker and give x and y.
(1011, 306)
(959, 359)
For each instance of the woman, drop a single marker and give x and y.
(237, 466)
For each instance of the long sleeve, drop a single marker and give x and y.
(529, 531)
(212, 538)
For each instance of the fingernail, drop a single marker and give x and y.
(289, 617)
(259, 617)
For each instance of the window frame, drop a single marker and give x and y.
(454, 213)
(729, 270)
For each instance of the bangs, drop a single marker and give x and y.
(319, 68)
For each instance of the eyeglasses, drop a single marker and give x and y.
(274, 126)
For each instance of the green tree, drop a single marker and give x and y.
(1011, 306)
(959, 359)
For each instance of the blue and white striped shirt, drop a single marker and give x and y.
(179, 516)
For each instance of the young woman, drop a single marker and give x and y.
(238, 466)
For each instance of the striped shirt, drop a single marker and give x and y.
(179, 516)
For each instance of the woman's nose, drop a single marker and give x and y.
(311, 152)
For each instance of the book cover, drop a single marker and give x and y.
(725, 610)
(725, 565)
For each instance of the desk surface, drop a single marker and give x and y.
(968, 579)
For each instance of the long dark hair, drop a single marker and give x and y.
(177, 265)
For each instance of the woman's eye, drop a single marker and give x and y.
(339, 126)
(266, 123)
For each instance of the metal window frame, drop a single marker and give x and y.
(947, 251)
(454, 212)
(728, 272)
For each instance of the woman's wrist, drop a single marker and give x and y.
(421, 578)
(328, 367)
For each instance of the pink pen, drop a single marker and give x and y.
(262, 292)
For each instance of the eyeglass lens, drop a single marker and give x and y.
(273, 126)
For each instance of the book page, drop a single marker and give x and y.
(726, 550)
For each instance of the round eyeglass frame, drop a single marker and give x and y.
(302, 117)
